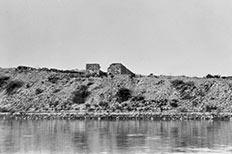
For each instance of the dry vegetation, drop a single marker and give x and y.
(44, 90)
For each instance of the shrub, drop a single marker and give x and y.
(53, 79)
(226, 77)
(28, 85)
(54, 104)
(38, 91)
(209, 108)
(80, 95)
(12, 86)
(87, 105)
(4, 109)
(3, 80)
(177, 83)
(174, 103)
(183, 109)
(56, 90)
(132, 76)
(138, 98)
(123, 94)
(185, 88)
(195, 103)
(160, 82)
(24, 68)
(90, 83)
(212, 76)
(209, 76)
(161, 104)
(117, 106)
(103, 104)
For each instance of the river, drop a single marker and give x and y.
(115, 137)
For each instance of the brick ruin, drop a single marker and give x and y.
(93, 68)
(118, 69)
(113, 69)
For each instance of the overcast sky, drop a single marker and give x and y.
(170, 37)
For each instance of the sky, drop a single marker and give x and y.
(163, 37)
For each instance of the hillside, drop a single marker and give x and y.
(47, 91)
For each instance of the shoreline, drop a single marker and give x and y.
(47, 94)
(117, 116)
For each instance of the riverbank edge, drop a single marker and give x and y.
(118, 116)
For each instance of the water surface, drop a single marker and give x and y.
(74, 136)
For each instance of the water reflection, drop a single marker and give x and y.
(62, 136)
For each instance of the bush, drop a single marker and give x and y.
(12, 86)
(3, 80)
(177, 83)
(185, 88)
(161, 104)
(183, 109)
(28, 85)
(56, 90)
(87, 105)
(210, 108)
(138, 98)
(132, 76)
(174, 103)
(226, 77)
(53, 79)
(213, 76)
(4, 109)
(123, 94)
(160, 82)
(103, 104)
(53, 104)
(24, 68)
(80, 95)
(38, 91)
(90, 83)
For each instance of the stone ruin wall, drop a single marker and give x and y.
(119, 69)
(114, 69)
(93, 68)
(124, 70)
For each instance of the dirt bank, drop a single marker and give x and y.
(29, 90)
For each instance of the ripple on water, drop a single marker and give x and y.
(64, 136)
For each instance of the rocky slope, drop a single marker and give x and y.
(32, 90)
